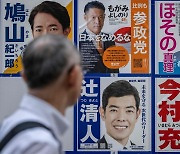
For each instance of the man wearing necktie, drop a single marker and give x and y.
(93, 42)
(120, 111)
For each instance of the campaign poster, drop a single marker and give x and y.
(167, 35)
(92, 127)
(16, 32)
(114, 38)
(167, 115)
(88, 118)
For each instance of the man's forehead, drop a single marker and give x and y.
(124, 101)
(95, 10)
(47, 18)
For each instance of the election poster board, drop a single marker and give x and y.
(167, 114)
(142, 48)
(167, 25)
(125, 31)
(16, 32)
(91, 127)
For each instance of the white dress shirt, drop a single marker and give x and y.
(35, 140)
(114, 145)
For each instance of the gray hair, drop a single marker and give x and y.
(48, 57)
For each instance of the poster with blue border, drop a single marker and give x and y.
(16, 31)
(157, 128)
(119, 130)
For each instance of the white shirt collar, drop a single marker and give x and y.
(49, 115)
(116, 146)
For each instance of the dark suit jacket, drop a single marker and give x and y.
(102, 144)
(91, 59)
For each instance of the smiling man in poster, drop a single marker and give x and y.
(120, 111)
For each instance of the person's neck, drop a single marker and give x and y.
(123, 141)
(90, 32)
(57, 98)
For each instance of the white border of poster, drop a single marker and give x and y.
(167, 115)
(131, 37)
(141, 135)
(167, 34)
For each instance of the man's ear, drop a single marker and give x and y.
(23, 75)
(73, 76)
(138, 114)
(102, 113)
(85, 17)
(67, 31)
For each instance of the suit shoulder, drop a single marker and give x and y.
(102, 140)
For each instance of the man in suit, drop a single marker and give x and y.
(93, 42)
(120, 112)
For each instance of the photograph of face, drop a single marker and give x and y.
(50, 17)
(120, 117)
(95, 20)
(124, 113)
(45, 23)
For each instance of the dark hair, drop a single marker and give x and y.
(55, 9)
(94, 4)
(46, 58)
(119, 88)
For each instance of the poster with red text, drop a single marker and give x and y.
(114, 36)
(167, 115)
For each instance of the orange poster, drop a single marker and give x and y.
(140, 36)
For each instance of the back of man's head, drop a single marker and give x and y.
(47, 58)
(120, 88)
(94, 4)
(53, 8)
